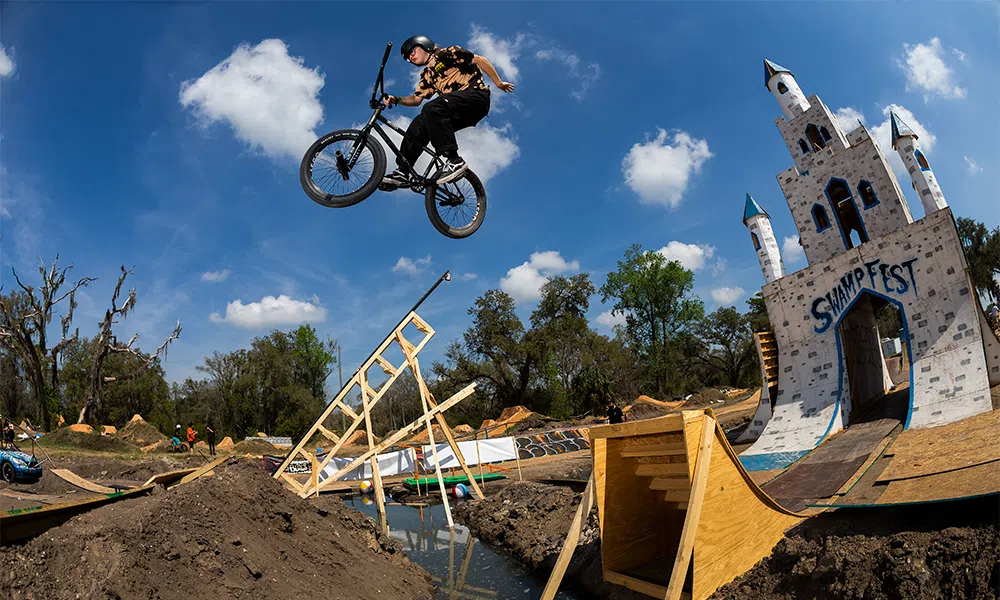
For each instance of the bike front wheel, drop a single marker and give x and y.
(457, 209)
(327, 177)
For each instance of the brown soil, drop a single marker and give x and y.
(528, 521)
(255, 447)
(141, 433)
(237, 534)
(66, 437)
(921, 552)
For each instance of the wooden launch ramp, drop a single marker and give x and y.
(680, 516)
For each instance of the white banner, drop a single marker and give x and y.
(390, 463)
(489, 451)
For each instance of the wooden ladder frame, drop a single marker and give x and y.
(369, 398)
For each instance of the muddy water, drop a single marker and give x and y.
(462, 567)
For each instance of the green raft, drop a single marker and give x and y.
(424, 482)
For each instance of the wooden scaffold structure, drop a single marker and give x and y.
(369, 398)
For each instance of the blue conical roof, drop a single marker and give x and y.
(753, 209)
(899, 128)
(770, 68)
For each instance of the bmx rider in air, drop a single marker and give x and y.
(456, 76)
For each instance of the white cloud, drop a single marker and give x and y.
(410, 266)
(524, 282)
(659, 172)
(501, 52)
(959, 54)
(271, 312)
(585, 75)
(6, 63)
(270, 99)
(215, 276)
(926, 71)
(691, 256)
(610, 320)
(791, 250)
(727, 295)
(848, 118)
(467, 276)
(973, 167)
(487, 149)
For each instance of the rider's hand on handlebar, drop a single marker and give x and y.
(389, 100)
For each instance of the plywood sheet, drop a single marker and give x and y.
(958, 445)
(977, 480)
(80, 482)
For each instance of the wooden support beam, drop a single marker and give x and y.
(571, 541)
(662, 470)
(333, 437)
(376, 476)
(671, 449)
(698, 486)
(387, 367)
(669, 484)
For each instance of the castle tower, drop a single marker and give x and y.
(786, 91)
(759, 223)
(904, 140)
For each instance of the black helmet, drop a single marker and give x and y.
(418, 40)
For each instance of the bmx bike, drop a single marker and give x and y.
(354, 159)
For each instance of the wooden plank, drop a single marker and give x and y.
(670, 484)
(80, 482)
(671, 449)
(168, 477)
(699, 483)
(662, 470)
(366, 391)
(740, 523)
(658, 425)
(978, 480)
(864, 467)
(333, 437)
(958, 445)
(402, 433)
(387, 367)
(678, 496)
(200, 471)
(638, 585)
(571, 541)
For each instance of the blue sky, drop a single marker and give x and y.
(168, 137)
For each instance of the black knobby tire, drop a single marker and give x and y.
(432, 206)
(7, 471)
(324, 198)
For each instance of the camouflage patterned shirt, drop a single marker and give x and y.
(453, 71)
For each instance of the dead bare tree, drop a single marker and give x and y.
(23, 322)
(108, 343)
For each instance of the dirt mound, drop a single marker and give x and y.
(140, 433)
(953, 563)
(254, 447)
(81, 428)
(529, 521)
(237, 534)
(87, 441)
(225, 444)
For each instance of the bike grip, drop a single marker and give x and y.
(385, 57)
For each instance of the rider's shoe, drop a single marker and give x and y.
(452, 169)
(395, 180)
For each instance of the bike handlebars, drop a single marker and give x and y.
(375, 103)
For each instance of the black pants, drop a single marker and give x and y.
(440, 119)
(211, 445)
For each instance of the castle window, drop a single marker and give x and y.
(820, 218)
(922, 161)
(867, 194)
(826, 133)
(812, 132)
(756, 242)
(846, 212)
(782, 88)
(803, 146)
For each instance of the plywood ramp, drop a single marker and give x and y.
(679, 515)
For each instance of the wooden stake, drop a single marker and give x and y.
(698, 485)
(571, 542)
(437, 465)
(376, 476)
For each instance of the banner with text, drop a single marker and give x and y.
(488, 451)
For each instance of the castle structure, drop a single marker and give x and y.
(863, 250)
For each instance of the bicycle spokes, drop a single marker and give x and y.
(336, 173)
(457, 204)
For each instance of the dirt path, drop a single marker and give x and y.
(236, 534)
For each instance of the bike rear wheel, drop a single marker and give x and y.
(464, 199)
(327, 178)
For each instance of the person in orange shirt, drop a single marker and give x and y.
(191, 433)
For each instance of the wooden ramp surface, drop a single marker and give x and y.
(822, 472)
(80, 482)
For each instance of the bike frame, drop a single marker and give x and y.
(378, 93)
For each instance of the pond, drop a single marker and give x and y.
(461, 566)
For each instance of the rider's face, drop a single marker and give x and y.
(418, 56)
